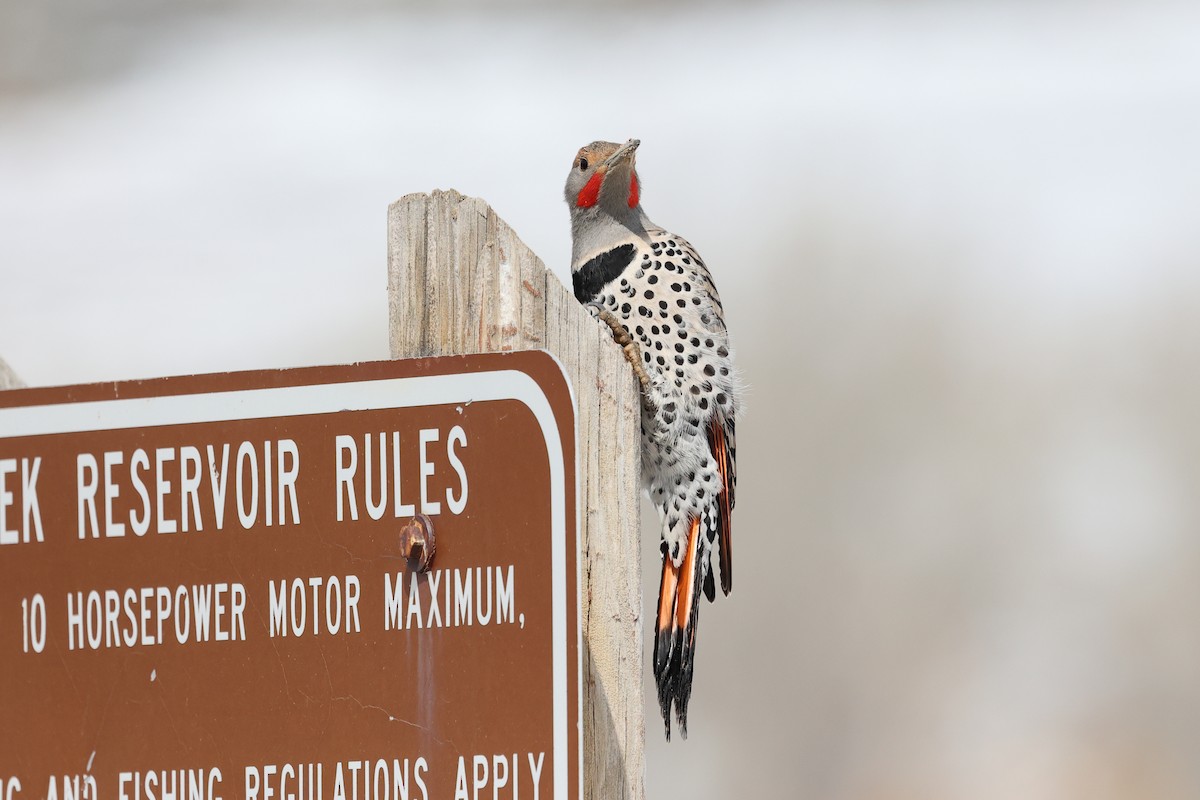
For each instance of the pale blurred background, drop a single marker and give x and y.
(959, 248)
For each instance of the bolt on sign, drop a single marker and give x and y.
(205, 594)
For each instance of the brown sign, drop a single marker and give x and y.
(203, 594)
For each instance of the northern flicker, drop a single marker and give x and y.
(655, 293)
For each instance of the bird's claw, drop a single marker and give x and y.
(633, 353)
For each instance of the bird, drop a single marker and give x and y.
(658, 299)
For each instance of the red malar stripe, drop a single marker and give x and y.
(590, 193)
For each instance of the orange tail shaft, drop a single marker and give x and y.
(675, 634)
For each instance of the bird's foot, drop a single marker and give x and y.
(633, 353)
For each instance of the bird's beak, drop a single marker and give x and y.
(624, 153)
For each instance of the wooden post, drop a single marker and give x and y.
(8, 378)
(460, 281)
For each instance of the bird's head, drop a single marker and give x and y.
(603, 179)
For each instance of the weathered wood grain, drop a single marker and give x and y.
(461, 281)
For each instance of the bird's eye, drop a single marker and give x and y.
(582, 164)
